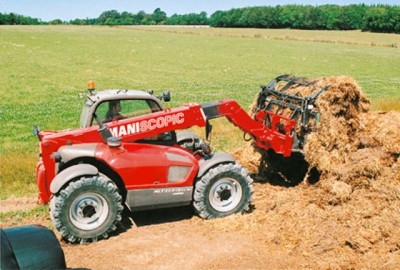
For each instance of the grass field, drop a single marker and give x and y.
(44, 68)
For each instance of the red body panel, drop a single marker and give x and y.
(146, 166)
(44, 194)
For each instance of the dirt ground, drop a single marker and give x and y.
(338, 207)
(301, 227)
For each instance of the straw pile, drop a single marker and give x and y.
(343, 207)
(348, 144)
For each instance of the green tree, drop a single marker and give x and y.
(12, 18)
(109, 17)
(126, 18)
(188, 19)
(56, 21)
(217, 19)
(138, 17)
(352, 16)
(158, 16)
(382, 19)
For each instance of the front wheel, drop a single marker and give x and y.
(86, 209)
(222, 191)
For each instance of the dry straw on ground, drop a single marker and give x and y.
(349, 216)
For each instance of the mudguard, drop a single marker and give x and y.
(207, 163)
(71, 173)
(76, 151)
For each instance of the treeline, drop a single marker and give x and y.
(376, 18)
(158, 17)
(12, 18)
(188, 19)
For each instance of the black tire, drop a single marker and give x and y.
(222, 191)
(30, 247)
(87, 209)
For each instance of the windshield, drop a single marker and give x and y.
(114, 110)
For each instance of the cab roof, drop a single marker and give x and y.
(112, 94)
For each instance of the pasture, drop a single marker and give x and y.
(44, 68)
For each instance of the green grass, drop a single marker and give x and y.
(13, 218)
(46, 67)
(355, 37)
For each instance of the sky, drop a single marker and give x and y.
(66, 10)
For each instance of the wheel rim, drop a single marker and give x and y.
(88, 211)
(225, 194)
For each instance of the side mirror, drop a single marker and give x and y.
(166, 96)
(36, 131)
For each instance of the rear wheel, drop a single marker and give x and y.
(222, 191)
(87, 209)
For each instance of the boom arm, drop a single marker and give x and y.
(267, 129)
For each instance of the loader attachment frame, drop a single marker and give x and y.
(274, 98)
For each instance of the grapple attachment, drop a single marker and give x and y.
(294, 98)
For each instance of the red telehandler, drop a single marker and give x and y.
(128, 152)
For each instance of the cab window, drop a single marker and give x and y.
(114, 110)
